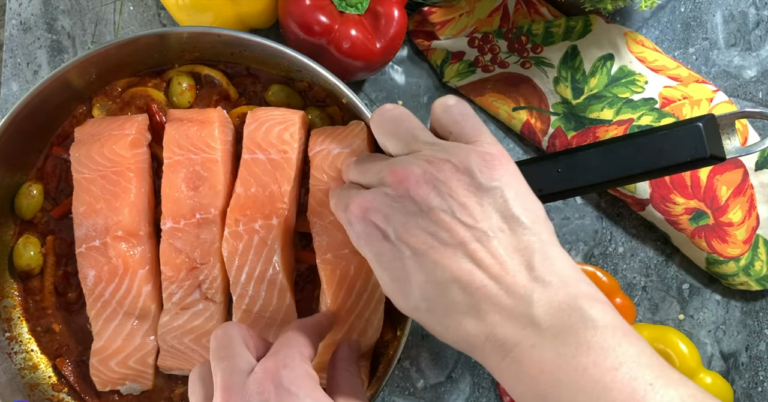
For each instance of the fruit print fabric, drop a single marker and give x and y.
(563, 82)
(714, 207)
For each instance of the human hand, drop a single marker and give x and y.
(447, 221)
(460, 243)
(244, 367)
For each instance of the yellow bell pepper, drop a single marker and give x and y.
(682, 354)
(240, 15)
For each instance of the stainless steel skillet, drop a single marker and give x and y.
(25, 374)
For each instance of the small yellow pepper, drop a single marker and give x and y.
(241, 15)
(682, 354)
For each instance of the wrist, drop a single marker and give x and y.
(582, 348)
(540, 317)
(558, 317)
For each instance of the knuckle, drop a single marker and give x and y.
(360, 207)
(417, 180)
(490, 164)
(445, 166)
(403, 178)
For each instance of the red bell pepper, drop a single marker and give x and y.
(352, 38)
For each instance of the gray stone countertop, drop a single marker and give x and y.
(726, 41)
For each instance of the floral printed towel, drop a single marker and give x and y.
(562, 82)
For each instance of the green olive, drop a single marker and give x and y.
(205, 70)
(317, 117)
(182, 90)
(29, 199)
(279, 95)
(28, 255)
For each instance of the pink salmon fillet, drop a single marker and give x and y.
(348, 287)
(198, 173)
(258, 236)
(113, 208)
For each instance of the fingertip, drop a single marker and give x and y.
(201, 383)
(386, 109)
(446, 107)
(398, 131)
(345, 381)
(453, 119)
(384, 115)
(325, 319)
(230, 330)
(447, 102)
(345, 170)
(303, 337)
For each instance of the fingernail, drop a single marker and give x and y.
(451, 100)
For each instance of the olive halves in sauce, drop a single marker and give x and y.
(182, 90)
(279, 95)
(28, 255)
(318, 117)
(29, 199)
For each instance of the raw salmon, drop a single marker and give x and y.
(258, 236)
(348, 287)
(113, 209)
(198, 172)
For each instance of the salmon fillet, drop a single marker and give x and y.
(113, 208)
(258, 235)
(198, 173)
(348, 287)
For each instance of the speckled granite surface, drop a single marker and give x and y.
(727, 41)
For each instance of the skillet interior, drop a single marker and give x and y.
(26, 131)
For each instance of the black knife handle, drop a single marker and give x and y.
(649, 154)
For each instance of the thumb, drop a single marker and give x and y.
(201, 383)
(345, 384)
